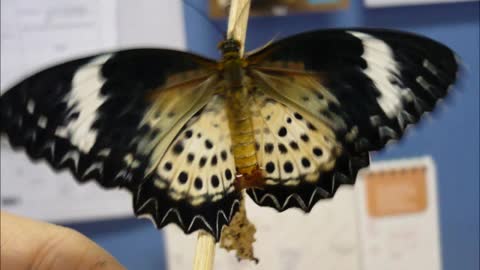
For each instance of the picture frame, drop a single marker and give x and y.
(219, 8)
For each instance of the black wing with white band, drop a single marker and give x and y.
(340, 94)
(114, 118)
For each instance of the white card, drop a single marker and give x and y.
(398, 216)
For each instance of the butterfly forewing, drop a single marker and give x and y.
(383, 80)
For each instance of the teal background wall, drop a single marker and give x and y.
(450, 135)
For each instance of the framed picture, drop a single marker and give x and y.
(219, 8)
(388, 3)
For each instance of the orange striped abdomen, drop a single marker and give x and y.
(241, 131)
(241, 124)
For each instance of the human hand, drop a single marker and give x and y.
(29, 244)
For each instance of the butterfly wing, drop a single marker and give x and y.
(195, 174)
(113, 118)
(359, 88)
(301, 156)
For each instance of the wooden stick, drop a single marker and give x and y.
(204, 252)
(237, 21)
(237, 29)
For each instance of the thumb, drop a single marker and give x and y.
(29, 244)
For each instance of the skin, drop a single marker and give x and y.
(29, 244)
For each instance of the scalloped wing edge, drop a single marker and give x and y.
(305, 196)
(210, 217)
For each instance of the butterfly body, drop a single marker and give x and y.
(238, 98)
(185, 135)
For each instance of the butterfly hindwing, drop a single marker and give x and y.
(196, 173)
(291, 144)
(300, 155)
(112, 118)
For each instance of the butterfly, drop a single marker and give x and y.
(289, 123)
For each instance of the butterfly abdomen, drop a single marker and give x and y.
(240, 119)
(241, 130)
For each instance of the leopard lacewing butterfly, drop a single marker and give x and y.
(185, 135)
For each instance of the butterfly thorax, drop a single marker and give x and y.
(232, 63)
(239, 115)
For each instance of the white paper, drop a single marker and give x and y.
(389, 3)
(152, 23)
(292, 240)
(36, 191)
(36, 34)
(334, 235)
(406, 241)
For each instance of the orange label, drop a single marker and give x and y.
(396, 191)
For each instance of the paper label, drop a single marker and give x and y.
(396, 192)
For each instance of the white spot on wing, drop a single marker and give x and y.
(30, 106)
(61, 132)
(430, 67)
(381, 67)
(71, 155)
(84, 98)
(104, 152)
(423, 83)
(42, 122)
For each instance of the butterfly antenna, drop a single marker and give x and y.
(202, 14)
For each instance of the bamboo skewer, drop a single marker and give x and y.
(237, 21)
(237, 29)
(204, 252)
